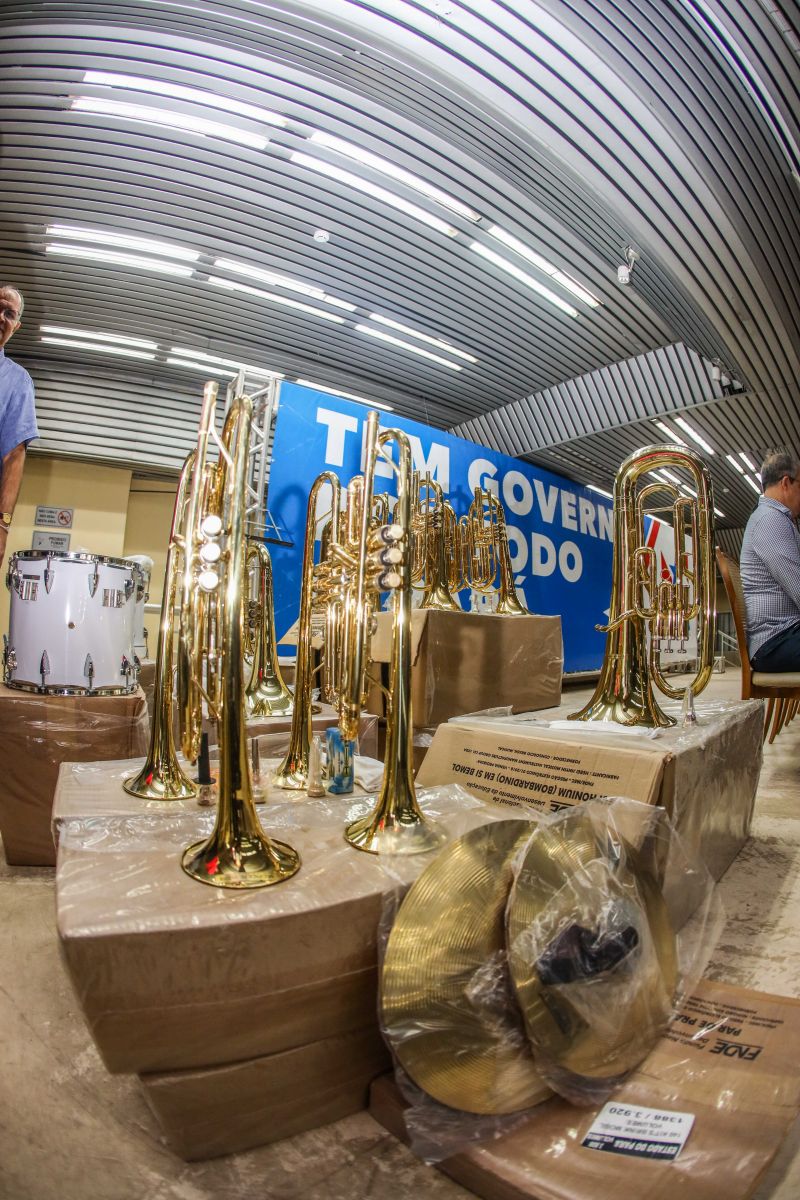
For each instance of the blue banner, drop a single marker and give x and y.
(560, 533)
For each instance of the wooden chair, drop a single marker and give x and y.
(780, 690)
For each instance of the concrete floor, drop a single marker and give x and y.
(70, 1131)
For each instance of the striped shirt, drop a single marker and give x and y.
(770, 566)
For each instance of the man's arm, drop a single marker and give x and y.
(10, 482)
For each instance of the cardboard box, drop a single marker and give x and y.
(274, 732)
(39, 733)
(222, 1110)
(172, 974)
(731, 1059)
(705, 776)
(468, 662)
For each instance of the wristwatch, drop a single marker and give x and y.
(5, 519)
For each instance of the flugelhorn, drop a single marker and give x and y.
(162, 777)
(486, 554)
(646, 607)
(238, 854)
(266, 693)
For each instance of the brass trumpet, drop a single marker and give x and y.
(238, 854)
(644, 607)
(486, 555)
(266, 693)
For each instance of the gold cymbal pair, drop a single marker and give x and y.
(524, 956)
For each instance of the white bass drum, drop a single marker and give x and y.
(71, 624)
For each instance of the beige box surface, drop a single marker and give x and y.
(173, 974)
(221, 1110)
(731, 1060)
(705, 776)
(40, 732)
(467, 662)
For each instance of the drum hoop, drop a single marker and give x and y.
(70, 691)
(77, 556)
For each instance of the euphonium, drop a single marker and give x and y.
(161, 777)
(266, 693)
(238, 854)
(643, 604)
(487, 557)
(434, 545)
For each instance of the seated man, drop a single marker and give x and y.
(770, 566)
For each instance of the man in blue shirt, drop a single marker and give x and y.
(17, 412)
(770, 565)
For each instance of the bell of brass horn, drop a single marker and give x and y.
(645, 609)
(266, 693)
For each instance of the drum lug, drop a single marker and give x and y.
(125, 669)
(137, 663)
(88, 669)
(49, 575)
(12, 576)
(94, 579)
(130, 587)
(44, 668)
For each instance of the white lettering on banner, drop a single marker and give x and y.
(518, 548)
(569, 519)
(543, 555)
(339, 425)
(520, 505)
(481, 474)
(586, 515)
(437, 462)
(570, 561)
(605, 523)
(547, 505)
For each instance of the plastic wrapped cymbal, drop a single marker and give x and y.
(591, 952)
(446, 1002)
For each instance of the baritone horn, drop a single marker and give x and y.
(238, 854)
(648, 608)
(486, 554)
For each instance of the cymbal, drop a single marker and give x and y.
(591, 951)
(446, 1002)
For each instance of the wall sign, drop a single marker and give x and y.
(59, 518)
(55, 542)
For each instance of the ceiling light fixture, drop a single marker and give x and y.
(625, 272)
(372, 189)
(387, 337)
(332, 391)
(692, 432)
(602, 491)
(159, 87)
(670, 433)
(146, 114)
(285, 281)
(747, 461)
(753, 485)
(97, 254)
(736, 466)
(121, 350)
(385, 167)
(273, 298)
(94, 336)
(523, 277)
(124, 241)
(206, 368)
(423, 337)
(548, 268)
(202, 356)
(718, 513)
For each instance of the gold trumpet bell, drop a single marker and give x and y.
(395, 830)
(237, 857)
(161, 778)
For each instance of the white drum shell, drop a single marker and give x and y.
(85, 618)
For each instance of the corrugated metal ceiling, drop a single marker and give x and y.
(580, 128)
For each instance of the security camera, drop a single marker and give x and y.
(623, 274)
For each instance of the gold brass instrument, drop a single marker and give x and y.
(435, 545)
(266, 693)
(374, 559)
(238, 854)
(643, 604)
(487, 558)
(162, 777)
(293, 771)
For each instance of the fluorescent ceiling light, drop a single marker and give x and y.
(372, 189)
(124, 241)
(672, 478)
(685, 488)
(122, 350)
(548, 268)
(753, 484)
(331, 391)
(199, 366)
(737, 466)
(159, 87)
(602, 491)
(524, 277)
(284, 281)
(747, 462)
(387, 337)
(423, 337)
(368, 159)
(670, 433)
(184, 122)
(201, 356)
(93, 335)
(687, 428)
(96, 254)
(273, 298)
(719, 514)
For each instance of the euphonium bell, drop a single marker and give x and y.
(646, 609)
